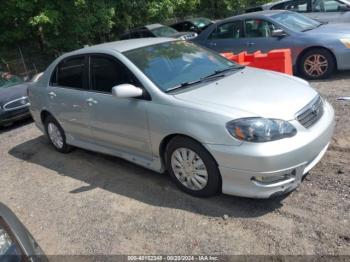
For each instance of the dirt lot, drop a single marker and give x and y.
(88, 203)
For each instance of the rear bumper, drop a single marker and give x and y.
(292, 158)
(8, 117)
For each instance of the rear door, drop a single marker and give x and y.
(227, 37)
(116, 124)
(67, 95)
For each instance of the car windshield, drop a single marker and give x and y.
(177, 63)
(164, 31)
(296, 22)
(7, 80)
(201, 22)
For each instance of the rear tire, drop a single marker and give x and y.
(56, 135)
(316, 64)
(192, 168)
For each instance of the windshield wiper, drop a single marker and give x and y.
(216, 74)
(221, 73)
(183, 85)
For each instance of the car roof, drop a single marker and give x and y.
(257, 14)
(123, 45)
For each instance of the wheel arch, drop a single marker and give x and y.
(302, 53)
(166, 140)
(44, 114)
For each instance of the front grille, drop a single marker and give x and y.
(311, 113)
(16, 104)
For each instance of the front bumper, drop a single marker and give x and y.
(294, 157)
(343, 58)
(8, 117)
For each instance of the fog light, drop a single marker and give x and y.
(273, 179)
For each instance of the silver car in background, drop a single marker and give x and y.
(332, 11)
(171, 105)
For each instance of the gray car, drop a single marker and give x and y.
(317, 49)
(171, 105)
(334, 11)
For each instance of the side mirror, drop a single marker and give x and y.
(278, 33)
(126, 91)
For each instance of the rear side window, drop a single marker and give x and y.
(70, 73)
(295, 5)
(146, 33)
(106, 73)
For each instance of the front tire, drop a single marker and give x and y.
(56, 135)
(316, 64)
(192, 168)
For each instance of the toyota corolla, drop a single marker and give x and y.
(170, 105)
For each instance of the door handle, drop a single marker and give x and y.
(212, 44)
(52, 94)
(250, 43)
(91, 101)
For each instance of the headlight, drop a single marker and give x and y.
(17, 104)
(346, 42)
(256, 129)
(5, 242)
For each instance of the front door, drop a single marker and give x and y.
(117, 124)
(67, 95)
(258, 37)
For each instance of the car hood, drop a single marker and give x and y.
(8, 94)
(254, 92)
(332, 29)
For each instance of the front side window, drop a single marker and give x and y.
(70, 73)
(231, 30)
(187, 26)
(178, 26)
(328, 6)
(295, 21)
(258, 28)
(172, 64)
(106, 73)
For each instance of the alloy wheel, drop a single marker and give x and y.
(316, 65)
(55, 135)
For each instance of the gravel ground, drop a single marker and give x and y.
(88, 203)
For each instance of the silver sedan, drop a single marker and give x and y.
(173, 106)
